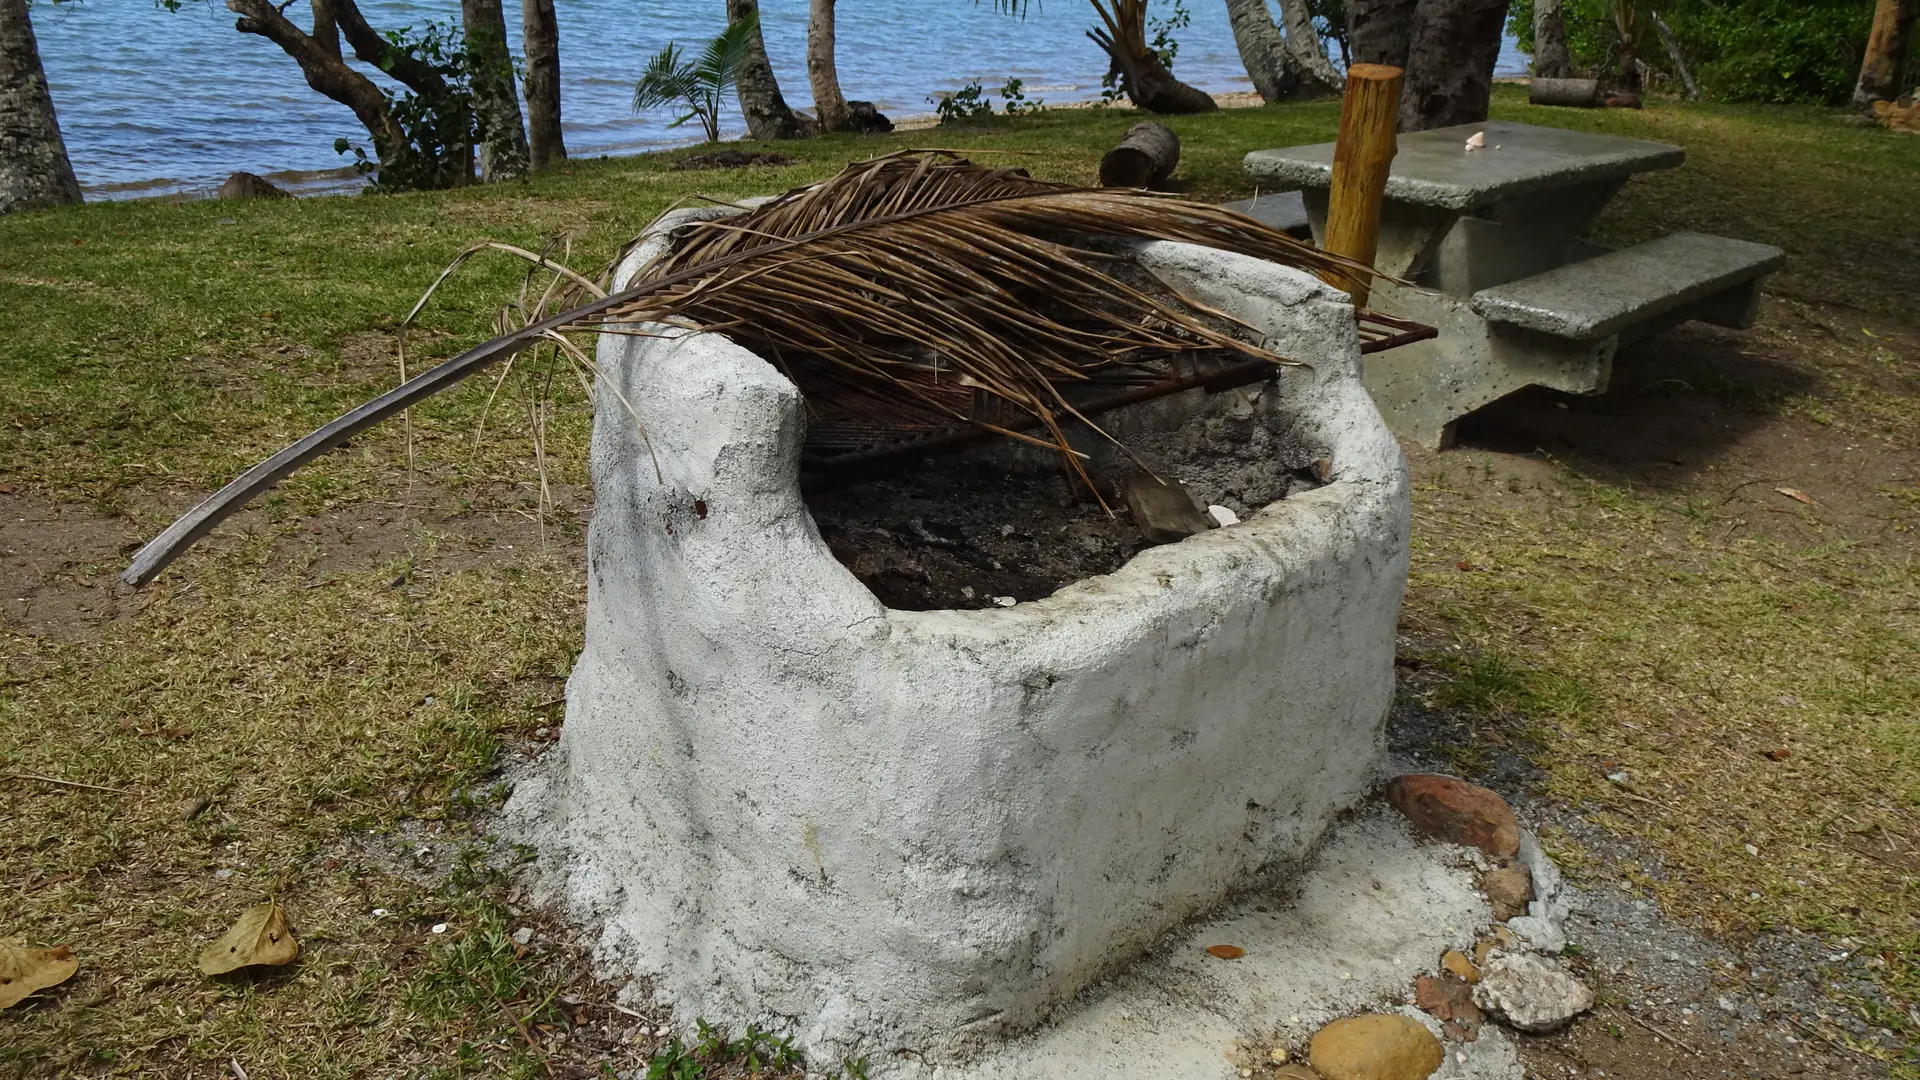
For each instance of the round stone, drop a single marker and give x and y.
(1375, 1047)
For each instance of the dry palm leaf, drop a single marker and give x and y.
(24, 970)
(902, 274)
(260, 937)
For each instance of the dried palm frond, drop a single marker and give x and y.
(907, 283)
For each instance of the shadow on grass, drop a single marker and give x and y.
(1677, 404)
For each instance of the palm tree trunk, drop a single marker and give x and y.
(760, 102)
(1303, 41)
(503, 141)
(1627, 27)
(1147, 81)
(1380, 31)
(1274, 68)
(828, 103)
(34, 169)
(1550, 57)
(1887, 44)
(1455, 44)
(541, 45)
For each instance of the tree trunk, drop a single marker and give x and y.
(1450, 62)
(760, 102)
(1145, 158)
(828, 103)
(541, 44)
(1274, 68)
(1625, 26)
(34, 170)
(1303, 41)
(1380, 31)
(1147, 81)
(1567, 93)
(1887, 45)
(503, 141)
(1672, 45)
(1550, 57)
(319, 59)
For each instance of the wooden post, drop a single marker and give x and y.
(1368, 120)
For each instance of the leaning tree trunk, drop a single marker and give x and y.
(318, 55)
(34, 170)
(828, 103)
(1887, 46)
(1147, 81)
(1450, 62)
(1550, 57)
(541, 45)
(760, 102)
(503, 141)
(1274, 68)
(1380, 31)
(1303, 41)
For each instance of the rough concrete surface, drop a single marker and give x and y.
(906, 835)
(1345, 932)
(1608, 293)
(1435, 168)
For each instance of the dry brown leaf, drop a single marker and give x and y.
(24, 970)
(1796, 495)
(260, 937)
(1227, 952)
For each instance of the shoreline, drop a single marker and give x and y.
(344, 180)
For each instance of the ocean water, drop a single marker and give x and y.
(156, 103)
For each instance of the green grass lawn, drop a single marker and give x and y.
(340, 716)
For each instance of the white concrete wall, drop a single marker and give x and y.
(893, 830)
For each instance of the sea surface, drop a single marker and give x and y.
(158, 103)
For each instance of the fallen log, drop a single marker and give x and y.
(1572, 93)
(1144, 158)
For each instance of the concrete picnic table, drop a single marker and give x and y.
(1489, 240)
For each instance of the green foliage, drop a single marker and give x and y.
(757, 1051)
(970, 102)
(1016, 100)
(437, 132)
(1163, 43)
(1770, 51)
(698, 86)
(1330, 19)
(966, 103)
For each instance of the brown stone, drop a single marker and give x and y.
(1508, 888)
(1457, 963)
(1449, 1000)
(1448, 808)
(1375, 1047)
(1481, 949)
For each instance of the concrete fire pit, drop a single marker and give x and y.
(909, 834)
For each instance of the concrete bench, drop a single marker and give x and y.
(1634, 292)
(1285, 211)
(1482, 223)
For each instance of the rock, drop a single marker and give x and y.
(1375, 1047)
(1294, 1072)
(1539, 932)
(864, 118)
(1448, 808)
(1531, 992)
(246, 185)
(1457, 963)
(1449, 1000)
(1545, 875)
(1508, 889)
